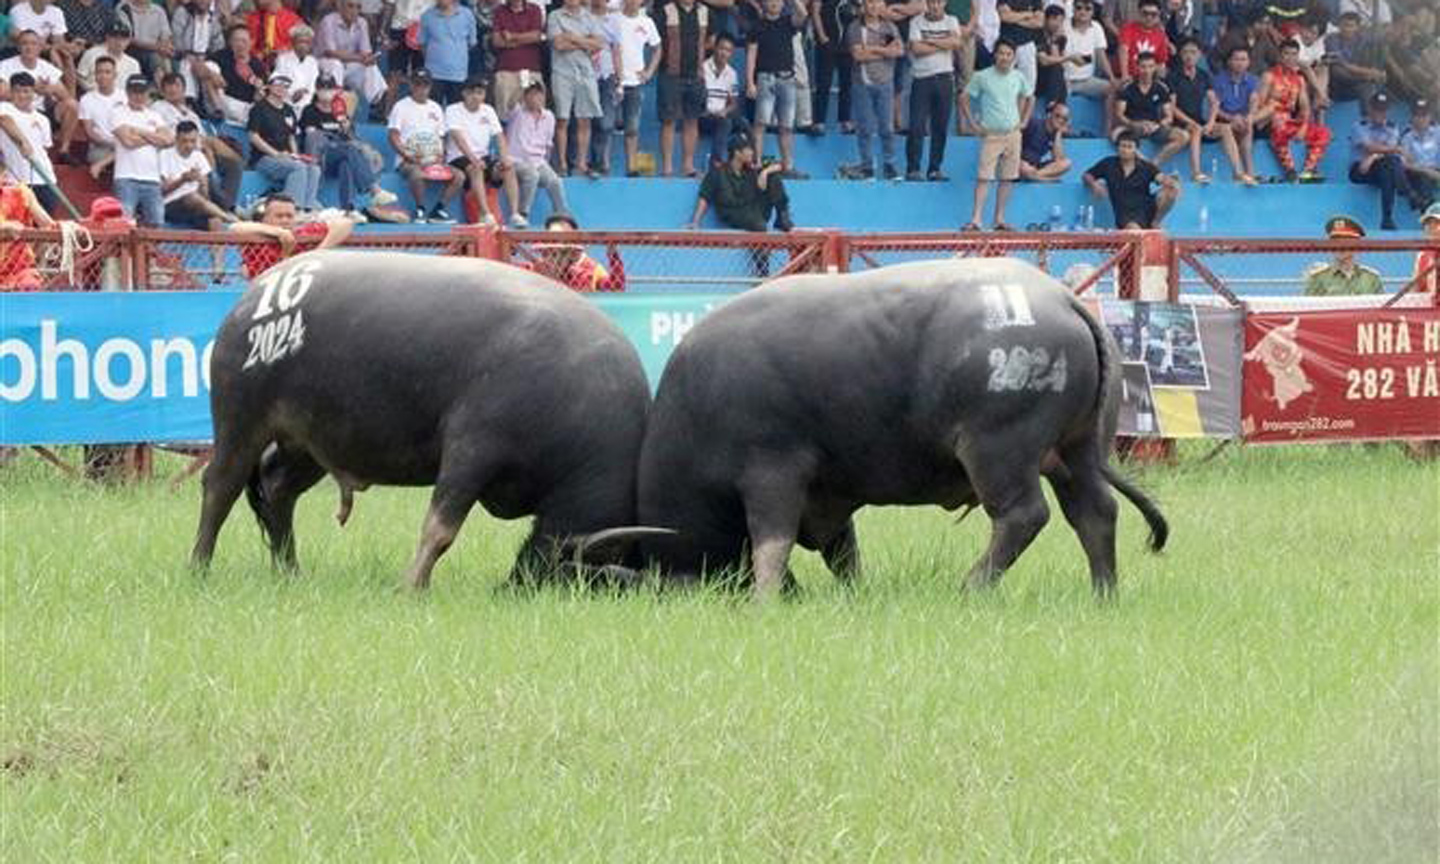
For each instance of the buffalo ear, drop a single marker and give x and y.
(601, 548)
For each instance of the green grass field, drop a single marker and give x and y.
(1265, 690)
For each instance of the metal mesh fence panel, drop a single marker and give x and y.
(1302, 273)
(688, 262)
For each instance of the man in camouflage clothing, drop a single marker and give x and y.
(1343, 276)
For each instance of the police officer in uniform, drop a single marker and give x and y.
(1344, 276)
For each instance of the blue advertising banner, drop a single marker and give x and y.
(89, 368)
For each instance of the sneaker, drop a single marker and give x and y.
(419, 218)
(937, 176)
(914, 176)
(519, 221)
(439, 214)
(794, 174)
(1291, 176)
(783, 222)
(889, 172)
(387, 215)
(1311, 177)
(382, 197)
(356, 216)
(857, 172)
(487, 221)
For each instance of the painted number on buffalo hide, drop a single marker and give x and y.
(1006, 306)
(277, 336)
(1022, 368)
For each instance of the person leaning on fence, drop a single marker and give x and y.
(1042, 145)
(278, 215)
(1006, 100)
(1344, 276)
(1376, 158)
(1130, 180)
(471, 127)
(744, 196)
(568, 264)
(19, 210)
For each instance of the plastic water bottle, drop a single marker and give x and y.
(1057, 218)
(1079, 219)
(1204, 219)
(1214, 167)
(1089, 217)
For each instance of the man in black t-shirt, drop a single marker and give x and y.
(274, 151)
(1021, 23)
(770, 79)
(1129, 180)
(1146, 109)
(1197, 108)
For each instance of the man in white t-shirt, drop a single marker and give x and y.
(634, 33)
(97, 109)
(471, 127)
(1087, 69)
(934, 38)
(300, 66)
(25, 138)
(140, 133)
(48, 22)
(722, 89)
(117, 40)
(55, 99)
(417, 134)
(229, 167)
(184, 181)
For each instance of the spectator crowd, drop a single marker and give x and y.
(168, 103)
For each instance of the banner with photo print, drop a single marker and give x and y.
(1180, 365)
(1342, 375)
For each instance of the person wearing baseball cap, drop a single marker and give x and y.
(140, 134)
(274, 148)
(1375, 158)
(1344, 276)
(1420, 147)
(1427, 263)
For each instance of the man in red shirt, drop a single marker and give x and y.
(270, 26)
(517, 37)
(1146, 36)
(568, 264)
(277, 222)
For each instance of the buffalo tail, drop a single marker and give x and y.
(1105, 414)
(260, 503)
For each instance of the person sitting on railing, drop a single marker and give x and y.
(568, 264)
(19, 210)
(277, 222)
(1344, 276)
(184, 183)
(1130, 181)
(743, 195)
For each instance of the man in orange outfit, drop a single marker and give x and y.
(1284, 106)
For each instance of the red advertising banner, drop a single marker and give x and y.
(1342, 375)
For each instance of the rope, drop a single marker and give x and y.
(74, 238)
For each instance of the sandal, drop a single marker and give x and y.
(1001, 226)
(1247, 180)
(1202, 179)
(970, 227)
